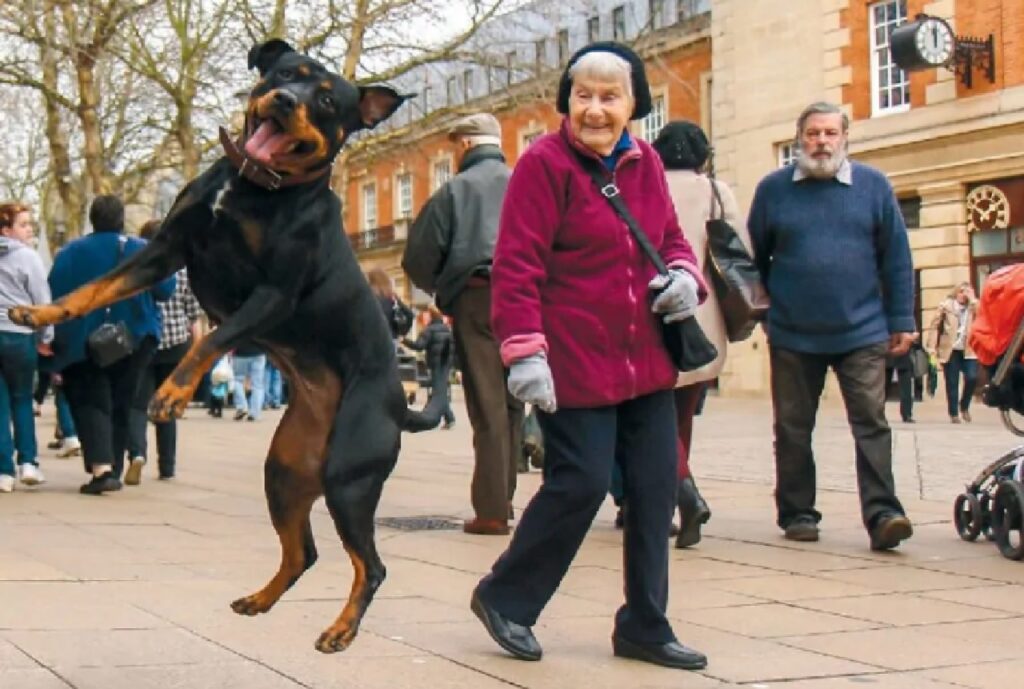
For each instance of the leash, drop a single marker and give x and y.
(261, 175)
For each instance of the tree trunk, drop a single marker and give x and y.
(355, 40)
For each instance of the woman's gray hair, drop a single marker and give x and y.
(956, 290)
(820, 108)
(602, 65)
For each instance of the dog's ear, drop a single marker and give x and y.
(377, 103)
(262, 56)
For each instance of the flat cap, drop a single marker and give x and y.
(480, 124)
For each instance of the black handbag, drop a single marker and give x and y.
(687, 344)
(742, 297)
(110, 342)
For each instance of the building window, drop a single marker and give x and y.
(656, 13)
(688, 9)
(404, 186)
(425, 99)
(369, 206)
(785, 154)
(651, 125)
(539, 54)
(510, 65)
(593, 29)
(467, 84)
(442, 172)
(910, 208)
(619, 23)
(890, 86)
(526, 139)
(563, 46)
(452, 90)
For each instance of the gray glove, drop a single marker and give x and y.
(529, 380)
(679, 300)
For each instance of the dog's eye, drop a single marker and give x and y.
(326, 101)
(285, 74)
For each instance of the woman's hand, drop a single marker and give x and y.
(530, 381)
(677, 296)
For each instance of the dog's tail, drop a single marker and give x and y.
(430, 416)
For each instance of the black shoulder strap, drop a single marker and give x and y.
(611, 192)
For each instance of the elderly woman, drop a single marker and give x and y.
(576, 309)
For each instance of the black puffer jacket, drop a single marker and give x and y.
(436, 341)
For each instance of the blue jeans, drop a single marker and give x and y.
(17, 368)
(250, 367)
(65, 421)
(274, 386)
(955, 400)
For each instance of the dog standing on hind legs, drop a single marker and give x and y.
(260, 233)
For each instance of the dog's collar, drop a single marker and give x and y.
(259, 174)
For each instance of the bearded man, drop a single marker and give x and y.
(833, 252)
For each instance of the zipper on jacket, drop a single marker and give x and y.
(631, 329)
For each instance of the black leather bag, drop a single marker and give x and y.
(110, 342)
(687, 344)
(742, 297)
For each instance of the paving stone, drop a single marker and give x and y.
(32, 679)
(997, 675)
(901, 609)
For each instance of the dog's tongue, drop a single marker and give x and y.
(267, 141)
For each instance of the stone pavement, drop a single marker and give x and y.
(131, 591)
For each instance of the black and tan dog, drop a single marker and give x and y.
(260, 233)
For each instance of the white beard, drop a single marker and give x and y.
(820, 168)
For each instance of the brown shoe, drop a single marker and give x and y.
(486, 527)
(965, 415)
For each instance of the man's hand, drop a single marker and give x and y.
(677, 295)
(899, 343)
(44, 349)
(529, 380)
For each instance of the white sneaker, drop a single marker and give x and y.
(133, 476)
(30, 474)
(70, 447)
(6, 483)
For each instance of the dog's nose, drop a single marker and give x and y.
(285, 100)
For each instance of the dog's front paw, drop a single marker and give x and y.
(251, 605)
(169, 402)
(36, 316)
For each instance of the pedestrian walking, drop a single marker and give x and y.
(249, 363)
(832, 250)
(22, 281)
(102, 394)
(449, 254)
(436, 340)
(948, 342)
(582, 336)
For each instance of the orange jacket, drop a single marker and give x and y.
(999, 313)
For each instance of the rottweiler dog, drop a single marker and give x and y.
(260, 234)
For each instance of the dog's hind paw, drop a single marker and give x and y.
(251, 605)
(335, 639)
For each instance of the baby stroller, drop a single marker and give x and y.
(993, 504)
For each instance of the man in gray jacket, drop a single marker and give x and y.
(449, 254)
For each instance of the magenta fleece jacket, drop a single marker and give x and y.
(569, 278)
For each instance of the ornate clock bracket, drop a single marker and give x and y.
(974, 53)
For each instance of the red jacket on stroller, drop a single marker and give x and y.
(1000, 311)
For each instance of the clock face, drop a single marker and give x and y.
(987, 209)
(935, 41)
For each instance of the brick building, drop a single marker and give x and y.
(745, 69)
(385, 186)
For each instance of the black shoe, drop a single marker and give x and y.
(104, 483)
(908, 420)
(514, 638)
(693, 513)
(672, 654)
(620, 519)
(239, 415)
(889, 530)
(802, 528)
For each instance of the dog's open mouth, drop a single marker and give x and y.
(270, 140)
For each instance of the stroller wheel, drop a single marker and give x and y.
(1008, 519)
(986, 517)
(967, 516)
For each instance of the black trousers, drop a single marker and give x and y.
(580, 447)
(101, 400)
(797, 382)
(906, 382)
(164, 361)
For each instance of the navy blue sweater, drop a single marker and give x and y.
(835, 258)
(82, 261)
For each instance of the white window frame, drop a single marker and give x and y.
(785, 153)
(619, 29)
(652, 124)
(369, 191)
(528, 135)
(451, 90)
(593, 28)
(656, 14)
(403, 194)
(877, 65)
(440, 172)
